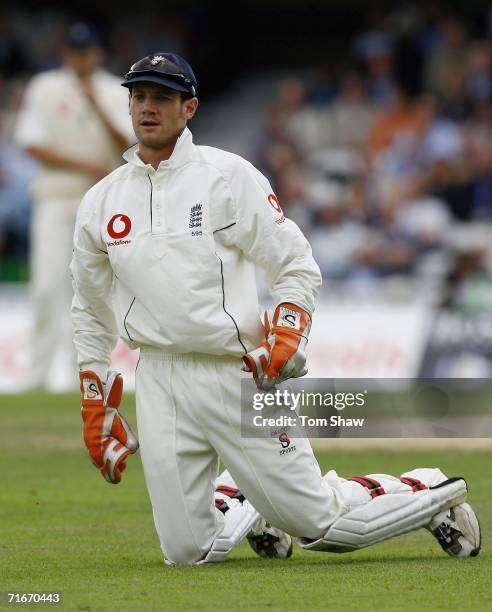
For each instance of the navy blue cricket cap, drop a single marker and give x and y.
(167, 69)
(82, 35)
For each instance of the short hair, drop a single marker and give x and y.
(186, 95)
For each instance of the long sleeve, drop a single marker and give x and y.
(273, 242)
(95, 332)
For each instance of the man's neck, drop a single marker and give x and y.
(155, 156)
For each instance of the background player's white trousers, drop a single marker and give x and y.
(188, 413)
(52, 228)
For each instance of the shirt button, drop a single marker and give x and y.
(157, 206)
(158, 187)
(157, 222)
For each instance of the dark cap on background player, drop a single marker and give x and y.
(167, 69)
(82, 35)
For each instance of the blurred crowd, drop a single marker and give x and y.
(385, 158)
(382, 154)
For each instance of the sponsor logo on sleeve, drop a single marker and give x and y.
(275, 204)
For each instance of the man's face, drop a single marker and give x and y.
(158, 114)
(83, 61)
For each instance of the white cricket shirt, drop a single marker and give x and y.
(165, 258)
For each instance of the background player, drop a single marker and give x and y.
(74, 120)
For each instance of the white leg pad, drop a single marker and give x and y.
(387, 516)
(238, 521)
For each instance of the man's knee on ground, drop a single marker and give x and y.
(179, 553)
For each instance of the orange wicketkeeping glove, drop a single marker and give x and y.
(283, 354)
(107, 435)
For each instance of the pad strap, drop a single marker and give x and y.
(230, 492)
(373, 486)
(416, 484)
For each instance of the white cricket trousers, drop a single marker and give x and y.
(189, 414)
(52, 228)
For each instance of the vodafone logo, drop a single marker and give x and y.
(119, 226)
(274, 203)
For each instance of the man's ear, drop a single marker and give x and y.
(189, 107)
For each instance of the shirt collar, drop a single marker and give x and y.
(180, 154)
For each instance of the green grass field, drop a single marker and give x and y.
(62, 527)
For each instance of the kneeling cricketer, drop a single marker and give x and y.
(165, 250)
